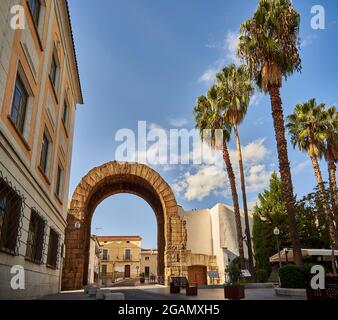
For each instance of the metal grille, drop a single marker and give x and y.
(53, 249)
(12, 204)
(36, 237)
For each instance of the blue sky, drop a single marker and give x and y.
(150, 60)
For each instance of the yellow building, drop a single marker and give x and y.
(39, 91)
(120, 257)
(149, 262)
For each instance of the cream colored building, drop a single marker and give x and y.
(212, 241)
(120, 257)
(148, 263)
(39, 91)
(95, 252)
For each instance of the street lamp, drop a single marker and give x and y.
(276, 232)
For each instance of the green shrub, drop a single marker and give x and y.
(306, 269)
(262, 275)
(234, 273)
(297, 277)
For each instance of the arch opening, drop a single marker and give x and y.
(138, 187)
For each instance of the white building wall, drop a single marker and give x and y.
(199, 231)
(213, 232)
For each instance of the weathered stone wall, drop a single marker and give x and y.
(121, 177)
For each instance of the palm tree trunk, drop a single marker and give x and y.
(245, 206)
(284, 169)
(233, 188)
(333, 191)
(328, 215)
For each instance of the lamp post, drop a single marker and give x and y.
(276, 232)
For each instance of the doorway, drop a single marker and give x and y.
(127, 271)
(197, 274)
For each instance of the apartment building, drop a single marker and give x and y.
(149, 262)
(120, 257)
(39, 91)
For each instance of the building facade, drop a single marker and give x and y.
(120, 257)
(148, 262)
(211, 246)
(95, 253)
(212, 242)
(39, 92)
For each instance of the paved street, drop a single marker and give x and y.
(157, 292)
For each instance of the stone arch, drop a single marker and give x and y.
(123, 177)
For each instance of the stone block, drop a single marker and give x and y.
(113, 296)
(101, 292)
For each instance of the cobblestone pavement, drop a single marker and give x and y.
(157, 292)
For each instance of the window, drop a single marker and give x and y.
(54, 71)
(104, 269)
(105, 254)
(65, 114)
(53, 247)
(19, 105)
(35, 239)
(44, 153)
(10, 214)
(127, 254)
(59, 177)
(146, 271)
(35, 7)
(146, 258)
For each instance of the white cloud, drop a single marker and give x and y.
(178, 122)
(211, 179)
(256, 99)
(230, 47)
(255, 151)
(228, 54)
(258, 178)
(206, 180)
(208, 75)
(301, 166)
(308, 40)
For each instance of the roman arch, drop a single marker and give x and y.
(123, 177)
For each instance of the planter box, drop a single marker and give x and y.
(234, 292)
(142, 280)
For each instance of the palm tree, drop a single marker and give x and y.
(331, 155)
(208, 116)
(268, 43)
(307, 129)
(235, 89)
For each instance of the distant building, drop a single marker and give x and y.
(149, 262)
(94, 260)
(120, 257)
(39, 91)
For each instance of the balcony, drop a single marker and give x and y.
(105, 257)
(127, 257)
